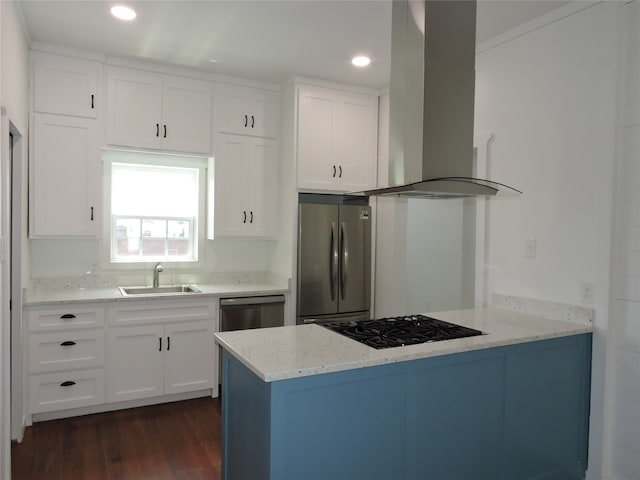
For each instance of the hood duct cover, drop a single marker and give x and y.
(431, 102)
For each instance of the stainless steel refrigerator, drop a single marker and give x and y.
(334, 258)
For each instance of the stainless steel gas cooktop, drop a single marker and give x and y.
(401, 331)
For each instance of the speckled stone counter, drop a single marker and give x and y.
(64, 291)
(290, 352)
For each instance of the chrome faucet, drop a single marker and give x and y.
(156, 275)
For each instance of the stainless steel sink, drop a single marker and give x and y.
(171, 289)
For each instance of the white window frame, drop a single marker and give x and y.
(160, 159)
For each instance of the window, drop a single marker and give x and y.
(156, 206)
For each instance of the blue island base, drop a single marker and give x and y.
(518, 412)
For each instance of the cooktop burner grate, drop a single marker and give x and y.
(401, 331)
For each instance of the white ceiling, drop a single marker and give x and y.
(268, 40)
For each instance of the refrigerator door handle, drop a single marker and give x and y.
(333, 264)
(344, 268)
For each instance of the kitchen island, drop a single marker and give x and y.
(307, 403)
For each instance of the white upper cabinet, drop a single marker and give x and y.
(66, 85)
(336, 140)
(247, 111)
(245, 179)
(187, 113)
(64, 174)
(150, 110)
(134, 108)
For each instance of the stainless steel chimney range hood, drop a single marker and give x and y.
(431, 103)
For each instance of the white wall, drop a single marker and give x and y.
(69, 258)
(420, 260)
(549, 98)
(434, 255)
(14, 99)
(15, 63)
(624, 460)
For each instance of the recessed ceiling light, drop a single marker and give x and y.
(123, 13)
(361, 61)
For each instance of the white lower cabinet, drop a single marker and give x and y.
(190, 360)
(65, 357)
(152, 360)
(50, 352)
(144, 349)
(160, 348)
(63, 390)
(135, 362)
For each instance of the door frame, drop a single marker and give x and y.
(11, 231)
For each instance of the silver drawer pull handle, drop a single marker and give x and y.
(68, 383)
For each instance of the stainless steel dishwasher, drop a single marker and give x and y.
(245, 313)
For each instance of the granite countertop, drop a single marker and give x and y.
(290, 352)
(65, 294)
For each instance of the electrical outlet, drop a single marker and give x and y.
(586, 293)
(530, 248)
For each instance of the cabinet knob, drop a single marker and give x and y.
(165, 131)
(251, 220)
(68, 343)
(244, 213)
(334, 171)
(92, 214)
(68, 383)
(67, 316)
(157, 129)
(253, 121)
(92, 105)
(246, 120)
(168, 343)
(340, 175)
(160, 344)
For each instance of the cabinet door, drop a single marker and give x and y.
(247, 111)
(262, 179)
(136, 362)
(231, 109)
(232, 205)
(190, 363)
(245, 187)
(134, 108)
(317, 110)
(356, 151)
(65, 85)
(263, 109)
(64, 173)
(186, 125)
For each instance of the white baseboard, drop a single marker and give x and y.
(109, 407)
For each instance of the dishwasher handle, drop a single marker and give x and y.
(230, 302)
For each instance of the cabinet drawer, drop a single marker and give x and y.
(131, 313)
(65, 318)
(57, 391)
(64, 351)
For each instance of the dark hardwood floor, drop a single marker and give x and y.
(179, 440)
